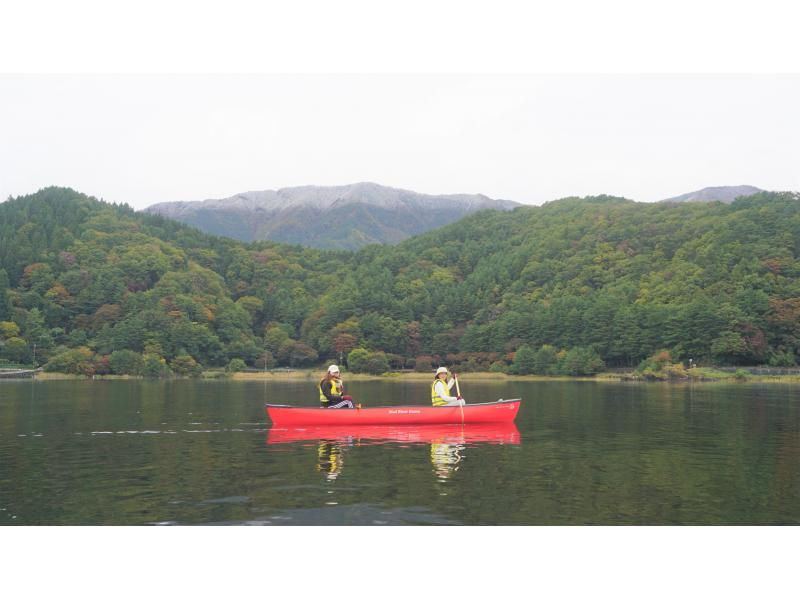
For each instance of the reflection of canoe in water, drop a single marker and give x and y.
(476, 413)
(502, 433)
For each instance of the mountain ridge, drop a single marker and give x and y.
(359, 214)
(725, 194)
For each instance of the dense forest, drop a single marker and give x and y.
(573, 286)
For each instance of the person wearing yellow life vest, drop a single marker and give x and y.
(331, 390)
(440, 390)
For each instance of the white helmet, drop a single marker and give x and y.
(333, 369)
(441, 370)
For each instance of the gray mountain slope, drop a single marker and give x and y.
(723, 194)
(343, 217)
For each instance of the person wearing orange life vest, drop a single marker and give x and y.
(331, 391)
(440, 390)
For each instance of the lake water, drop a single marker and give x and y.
(203, 452)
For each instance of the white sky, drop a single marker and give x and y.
(643, 132)
(145, 139)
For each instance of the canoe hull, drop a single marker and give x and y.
(478, 413)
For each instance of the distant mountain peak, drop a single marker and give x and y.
(364, 213)
(723, 194)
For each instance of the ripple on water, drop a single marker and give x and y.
(236, 500)
(358, 514)
(113, 432)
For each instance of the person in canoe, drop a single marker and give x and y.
(331, 391)
(440, 390)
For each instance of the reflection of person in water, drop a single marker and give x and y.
(445, 458)
(329, 460)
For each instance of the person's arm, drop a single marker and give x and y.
(439, 387)
(455, 400)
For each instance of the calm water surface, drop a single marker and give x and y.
(202, 452)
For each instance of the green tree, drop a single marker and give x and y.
(5, 302)
(154, 366)
(524, 361)
(545, 360)
(8, 330)
(252, 305)
(243, 348)
(356, 360)
(15, 349)
(36, 332)
(73, 361)
(125, 361)
(363, 361)
(297, 354)
(185, 365)
(235, 365)
(781, 359)
(581, 361)
(377, 363)
(274, 337)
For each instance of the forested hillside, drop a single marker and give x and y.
(582, 282)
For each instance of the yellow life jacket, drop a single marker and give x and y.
(436, 399)
(336, 389)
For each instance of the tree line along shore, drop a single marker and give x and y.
(578, 287)
(700, 375)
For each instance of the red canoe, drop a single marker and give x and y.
(476, 413)
(502, 433)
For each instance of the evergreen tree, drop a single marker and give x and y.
(544, 361)
(524, 361)
(5, 300)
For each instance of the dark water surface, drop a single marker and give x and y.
(202, 452)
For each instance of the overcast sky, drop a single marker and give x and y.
(146, 139)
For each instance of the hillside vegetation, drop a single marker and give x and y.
(583, 283)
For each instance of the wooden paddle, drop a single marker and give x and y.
(458, 393)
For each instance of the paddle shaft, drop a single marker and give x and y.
(458, 393)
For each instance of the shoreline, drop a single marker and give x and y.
(307, 375)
